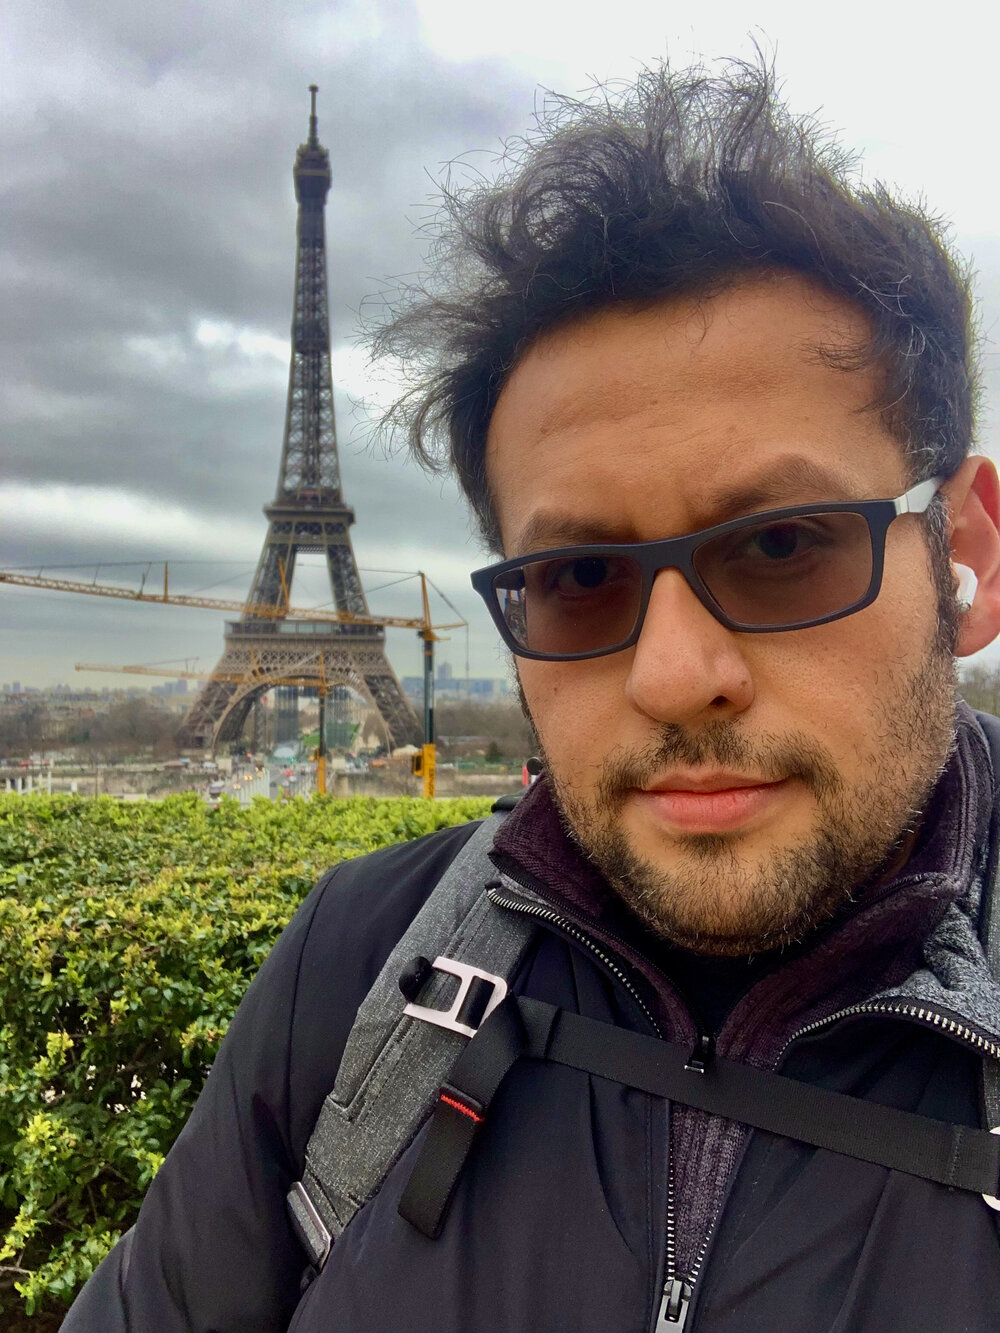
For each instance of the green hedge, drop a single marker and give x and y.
(128, 934)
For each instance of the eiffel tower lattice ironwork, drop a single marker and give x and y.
(308, 515)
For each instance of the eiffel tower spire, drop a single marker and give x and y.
(309, 476)
(313, 139)
(308, 514)
(309, 457)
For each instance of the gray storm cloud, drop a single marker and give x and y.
(146, 283)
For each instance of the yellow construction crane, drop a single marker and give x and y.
(424, 764)
(168, 598)
(236, 677)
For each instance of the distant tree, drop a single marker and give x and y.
(128, 727)
(25, 728)
(979, 686)
(501, 723)
(132, 726)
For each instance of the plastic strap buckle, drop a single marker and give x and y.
(449, 1018)
(312, 1230)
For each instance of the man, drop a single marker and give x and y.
(713, 407)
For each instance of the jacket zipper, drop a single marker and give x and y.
(678, 1291)
(918, 1013)
(674, 1306)
(546, 914)
(675, 1300)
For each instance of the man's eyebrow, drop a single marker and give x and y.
(548, 529)
(786, 481)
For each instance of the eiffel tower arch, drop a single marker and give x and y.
(308, 514)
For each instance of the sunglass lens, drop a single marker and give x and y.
(571, 605)
(788, 571)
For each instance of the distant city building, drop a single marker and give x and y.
(481, 689)
(169, 688)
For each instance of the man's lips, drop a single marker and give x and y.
(713, 781)
(710, 802)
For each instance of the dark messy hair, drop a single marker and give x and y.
(684, 182)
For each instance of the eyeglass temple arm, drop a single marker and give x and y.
(917, 499)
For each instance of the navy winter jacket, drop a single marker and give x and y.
(581, 1196)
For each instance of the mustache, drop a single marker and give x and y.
(722, 745)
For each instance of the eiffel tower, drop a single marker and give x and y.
(308, 515)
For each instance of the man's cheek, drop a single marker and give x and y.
(570, 739)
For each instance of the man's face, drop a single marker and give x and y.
(735, 788)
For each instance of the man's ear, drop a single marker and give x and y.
(973, 497)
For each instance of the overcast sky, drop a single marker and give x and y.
(148, 246)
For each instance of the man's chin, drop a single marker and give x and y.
(719, 895)
(745, 849)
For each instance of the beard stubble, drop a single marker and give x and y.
(716, 901)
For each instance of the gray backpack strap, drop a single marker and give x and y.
(991, 947)
(990, 914)
(394, 1064)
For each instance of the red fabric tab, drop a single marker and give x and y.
(466, 1110)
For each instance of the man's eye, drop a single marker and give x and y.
(588, 574)
(781, 541)
(573, 578)
(775, 543)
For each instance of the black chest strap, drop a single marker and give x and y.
(951, 1155)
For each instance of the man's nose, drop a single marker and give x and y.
(686, 667)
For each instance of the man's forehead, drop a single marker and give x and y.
(746, 341)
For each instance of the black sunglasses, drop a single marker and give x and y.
(780, 570)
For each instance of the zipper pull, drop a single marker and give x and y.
(674, 1306)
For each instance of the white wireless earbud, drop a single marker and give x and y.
(967, 585)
